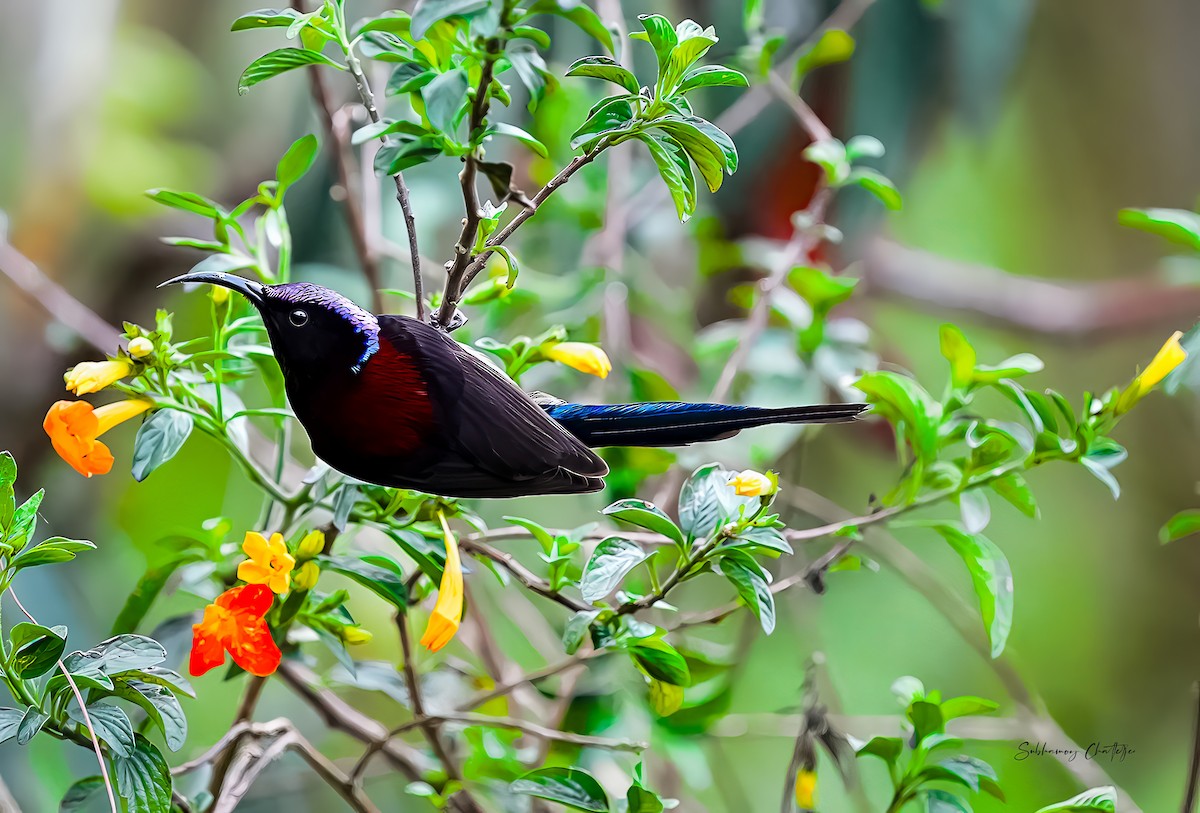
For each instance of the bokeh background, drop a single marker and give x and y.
(1015, 129)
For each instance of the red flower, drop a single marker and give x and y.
(235, 624)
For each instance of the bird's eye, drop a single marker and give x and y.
(298, 318)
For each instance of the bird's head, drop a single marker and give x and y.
(311, 327)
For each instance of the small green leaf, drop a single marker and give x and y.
(991, 576)
(711, 76)
(143, 779)
(158, 440)
(385, 583)
(1102, 798)
(571, 787)
(707, 501)
(661, 36)
(429, 12)
(24, 521)
(886, 748)
(822, 291)
(1179, 226)
(1185, 523)
(967, 705)
(10, 723)
(606, 68)
(878, 185)
(266, 18)
(1013, 367)
(297, 161)
(277, 62)
(501, 128)
(52, 551)
(1013, 488)
(110, 723)
(907, 405)
(926, 718)
(959, 352)
(642, 800)
(160, 705)
(676, 171)
(580, 15)
(612, 114)
(646, 515)
(834, 46)
(576, 630)
(612, 560)
(665, 698)
(186, 202)
(31, 724)
(941, 801)
(35, 649)
(752, 588)
(446, 100)
(661, 661)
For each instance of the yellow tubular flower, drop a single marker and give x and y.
(93, 376)
(586, 358)
(140, 347)
(1169, 356)
(311, 545)
(447, 612)
(269, 562)
(806, 789)
(306, 576)
(355, 635)
(750, 483)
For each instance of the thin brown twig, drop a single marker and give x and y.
(526, 727)
(245, 711)
(410, 223)
(474, 545)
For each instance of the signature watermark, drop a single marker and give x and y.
(1096, 751)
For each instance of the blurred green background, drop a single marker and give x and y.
(1015, 129)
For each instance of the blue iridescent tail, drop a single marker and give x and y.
(675, 423)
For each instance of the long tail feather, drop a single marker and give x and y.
(674, 423)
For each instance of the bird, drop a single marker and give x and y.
(394, 401)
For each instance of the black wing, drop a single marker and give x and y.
(505, 442)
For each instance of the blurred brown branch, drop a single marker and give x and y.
(1074, 310)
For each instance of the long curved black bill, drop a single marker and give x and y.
(250, 289)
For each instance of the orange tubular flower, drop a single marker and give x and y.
(447, 612)
(269, 562)
(73, 427)
(235, 624)
(93, 376)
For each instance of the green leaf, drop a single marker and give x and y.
(297, 161)
(266, 18)
(35, 649)
(385, 583)
(991, 577)
(397, 156)
(926, 718)
(878, 185)
(967, 705)
(446, 100)
(80, 795)
(161, 676)
(907, 689)
(158, 440)
(834, 46)
(974, 509)
(664, 698)
(24, 521)
(1179, 226)
(160, 704)
(959, 352)
(392, 22)
(52, 551)
(1013, 488)
(407, 78)
(908, 406)
(612, 560)
(121, 653)
(10, 723)
(707, 155)
(694, 42)
(501, 128)
(1102, 798)
(544, 537)
(707, 501)
(606, 68)
(886, 748)
(143, 778)
(675, 169)
(571, 787)
(964, 770)
(771, 539)
(612, 114)
(580, 15)
(110, 724)
(646, 515)
(661, 661)
(429, 12)
(1185, 523)
(711, 76)
(31, 724)
(186, 202)
(641, 800)
(941, 801)
(1013, 367)
(576, 629)
(277, 62)
(146, 591)
(1102, 456)
(752, 588)
(819, 289)
(661, 36)
(531, 70)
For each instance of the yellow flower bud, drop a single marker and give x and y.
(806, 789)
(311, 546)
(219, 294)
(1169, 356)
(586, 358)
(750, 483)
(305, 578)
(140, 347)
(355, 635)
(93, 376)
